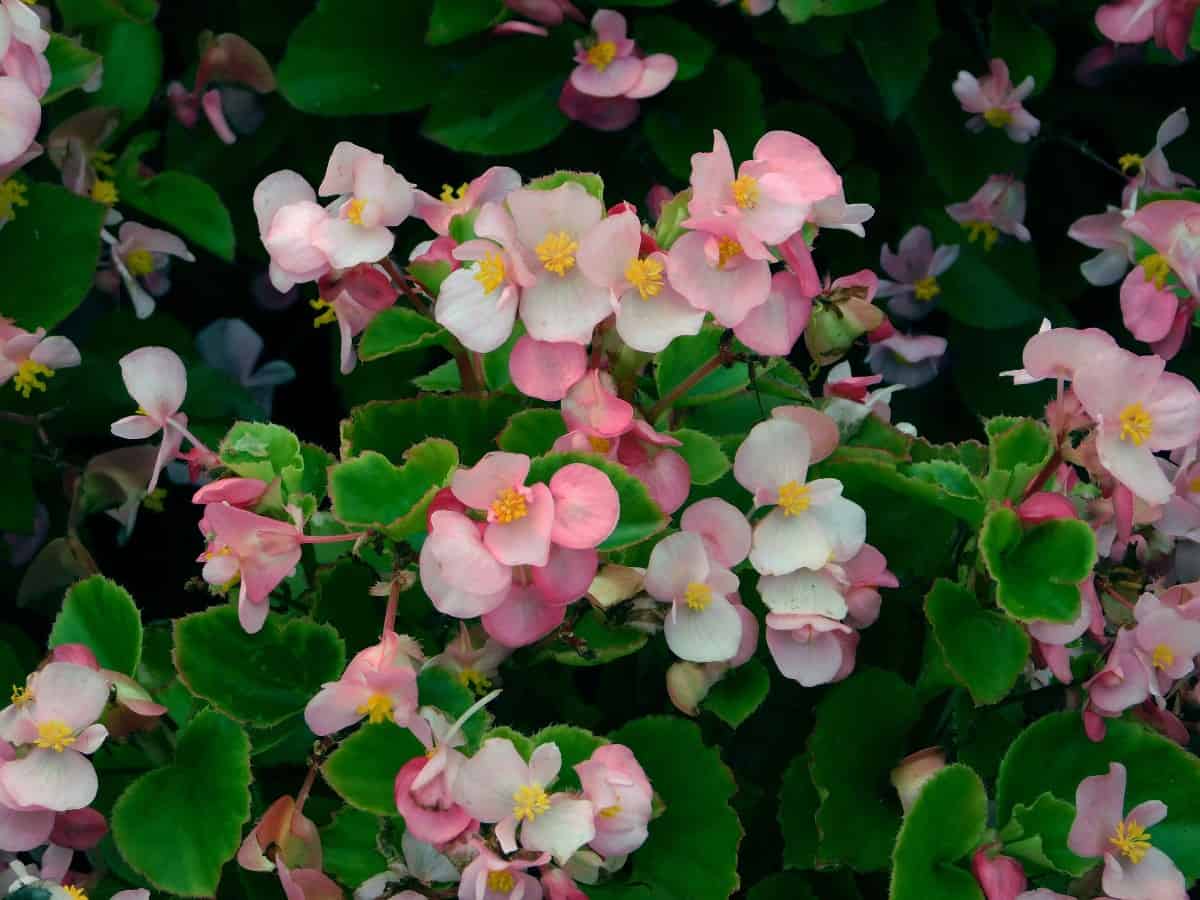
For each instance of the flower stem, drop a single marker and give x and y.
(668, 400)
(306, 788)
(389, 614)
(332, 538)
(191, 438)
(402, 284)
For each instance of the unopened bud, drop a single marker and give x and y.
(914, 770)
(689, 683)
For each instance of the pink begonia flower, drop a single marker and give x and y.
(843, 312)
(722, 527)
(491, 187)
(559, 885)
(773, 328)
(850, 400)
(1104, 232)
(476, 667)
(916, 267)
(290, 222)
(379, 684)
(157, 381)
(233, 347)
(141, 256)
(593, 407)
(55, 716)
(996, 208)
(1172, 228)
(21, 828)
(458, 572)
(650, 312)
(1134, 869)
(912, 360)
(702, 625)
(497, 786)
(620, 792)
(1152, 173)
(27, 359)
(228, 59)
(1139, 408)
(519, 518)
(586, 506)
(546, 370)
(715, 274)
(864, 574)
(127, 692)
(823, 433)
(1167, 640)
(835, 212)
(1060, 352)
(995, 101)
(285, 832)
(353, 299)
(609, 65)
(1148, 303)
(812, 524)
(1123, 682)
(600, 113)
(372, 198)
(1169, 22)
(1001, 877)
(20, 118)
(811, 649)
(491, 877)
(547, 12)
(525, 616)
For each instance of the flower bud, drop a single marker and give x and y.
(914, 770)
(1001, 877)
(836, 324)
(689, 683)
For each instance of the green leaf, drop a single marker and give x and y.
(453, 20)
(664, 34)
(1054, 754)
(360, 57)
(71, 66)
(260, 450)
(1037, 570)
(783, 886)
(133, 63)
(441, 689)
(799, 11)
(798, 802)
(443, 379)
(81, 13)
(57, 239)
(369, 492)
(260, 679)
(851, 755)
(589, 181)
(396, 330)
(946, 822)
(684, 356)
(532, 431)
(363, 769)
(177, 826)
(477, 112)
(349, 850)
(101, 614)
(727, 96)
(894, 44)
(691, 853)
(391, 427)
(575, 744)
(1018, 449)
(985, 650)
(703, 454)
(1026, 48)
(597, 642)
(1038, 835)
(640, 516)
(186, 204)
(737, 696)
(991, 289)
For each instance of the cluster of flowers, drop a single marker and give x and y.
(24, 80)
(60, 716)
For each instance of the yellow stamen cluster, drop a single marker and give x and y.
(697, 596)
(491, 272)
(986, 230)
(153, 501)
(794, 498)
(1194, 485)
(139, 262)
(927, 288)
(29, 377)
(998, 117)
(1136, 424)
(378, 708)
(599, 444)
(646, 275)
(601, 54)
(610, 812)
(727, 249)
(354, 211)
(104, 191)
(529, 802)
(1164, 657)
(450, 194)
(73, 890)
(745, 192)
(54, 735)
(21, 695)
(1131, 841)
(502, 881)
(1157, 269)
(12, 195)
(329, 314)
(557, 252)
(509, 506)
(102, 160)
(475, 681)
(1131, 163)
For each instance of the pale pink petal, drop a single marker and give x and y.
(1156, 877)
(1134, 466)
(546, 370)
(773, 454)
(456, 556)
(56, 353)
(20, 118)
(809, 655)
(729, 293)
(487, 781)
(524, 541)
(774, 327)
(156, 380)
(784, 543)
(497, 471)
(712, 634)
(72, 694)
(1099, 804)
(134, 428)
(722, 527)
(649, 324)
(822, 430)
(658, 71)
(564, 308)
(52, 780)
(346, 244)
(482, 321)
(278, 190)
(618, 78)
(565, 827)
(586, 506)
(675, 562)
(335, 707)
(608, 248)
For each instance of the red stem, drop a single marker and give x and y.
(331, 538)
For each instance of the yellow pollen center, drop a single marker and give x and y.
(745, 192)
(927, 288)
(1131, 841)
(501, 882)
(102, 160)
(75, 892)
(1131, 163)
(139, 262)
(727, 249)
(557, 252)
(475, 681)
(1157, 269)
(610, 812)
(153, 501)
(104, 192)
(29, 377)
(599, 444)
(325, 317)
(450, 194)
(1194, 485)
(697, 596)
(646, 275)
(378, 708)
(54, 735)
(21, 695)
(529, 802)
(997, 117)
(354, 211)
(1164, 657)
(986, 230)
(602, 54)
(12, 195)
(491, 272)
(509, 506)
(794, 498)
(1136, 424)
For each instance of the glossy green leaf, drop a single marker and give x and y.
(684, 356)
(737, 696)
(82, 13)
(895, 43)
(1038, 834)
(369, 492)
(133, 66)
(186, 205)
(597, 642)
(453, 20)
(589, 181)
(349, 849)
(396, 330)
(703, 454)
(363, 769)
(100, 614)
(71, 66)
(532, 431)
(666, 34)
(798, 803)
(260, 450)
(471, 423)
(575, 744)
(985, 650)
(1018, 450)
